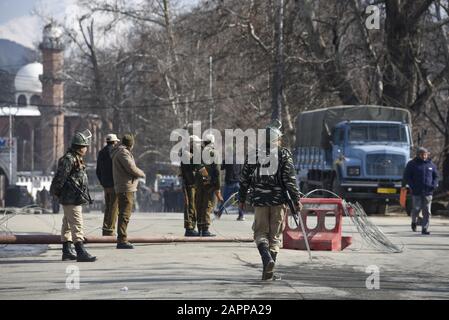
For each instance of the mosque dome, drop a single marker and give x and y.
(27, 79)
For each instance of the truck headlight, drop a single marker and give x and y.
(353, 171)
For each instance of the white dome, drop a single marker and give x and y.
(27, 79)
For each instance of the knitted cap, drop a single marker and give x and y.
(128, 140)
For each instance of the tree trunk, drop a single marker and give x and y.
(402, 46)
(278, 68)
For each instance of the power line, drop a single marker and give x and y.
(155, 105)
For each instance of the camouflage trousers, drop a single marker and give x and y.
(268, 226)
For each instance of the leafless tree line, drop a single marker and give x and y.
(158, 79)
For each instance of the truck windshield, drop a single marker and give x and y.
(377, 133)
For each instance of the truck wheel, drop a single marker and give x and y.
(373, 207)
(368, 207)
(381, 208)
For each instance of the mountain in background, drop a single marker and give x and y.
(13, 56)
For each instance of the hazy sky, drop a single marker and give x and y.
(13, 9)
(18, 24)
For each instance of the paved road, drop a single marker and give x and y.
(224, 270)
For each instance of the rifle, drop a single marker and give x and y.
(83, 193)
(297, 217)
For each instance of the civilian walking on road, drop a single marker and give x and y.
(422, 177)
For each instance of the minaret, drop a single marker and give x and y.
(52, 119)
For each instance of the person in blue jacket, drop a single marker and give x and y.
(422, 177)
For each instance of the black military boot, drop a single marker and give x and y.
(206, 233)
(413, 226)
(191, 233)
(82, 255)
(267, 261)
(425, 232)
(67, 251)
(125, 245)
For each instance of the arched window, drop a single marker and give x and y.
(22, 100)
(35, 100)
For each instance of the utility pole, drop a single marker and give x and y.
(211, 102)
(278, 66)
(10, 145)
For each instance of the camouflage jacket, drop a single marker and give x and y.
(71, 170)
(267, 190)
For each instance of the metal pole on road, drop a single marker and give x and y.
(56, 239)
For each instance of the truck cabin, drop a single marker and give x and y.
(371, 149)
(368, 132)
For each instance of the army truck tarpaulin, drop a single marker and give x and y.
(358, 152)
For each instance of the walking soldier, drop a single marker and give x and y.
(268, 197)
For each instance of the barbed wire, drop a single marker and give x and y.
(370, 233)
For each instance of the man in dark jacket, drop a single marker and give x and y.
(268, 181)
(104, 174)
(422, 177)
(70, 186)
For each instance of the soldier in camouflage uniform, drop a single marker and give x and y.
(268, 198)
(70, 186)
(207, 187)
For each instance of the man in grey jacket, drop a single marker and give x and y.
(126, 175)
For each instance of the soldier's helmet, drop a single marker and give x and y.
(82, 138)
(273, 131)
(209, 138)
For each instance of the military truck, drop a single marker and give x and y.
(359, 152)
